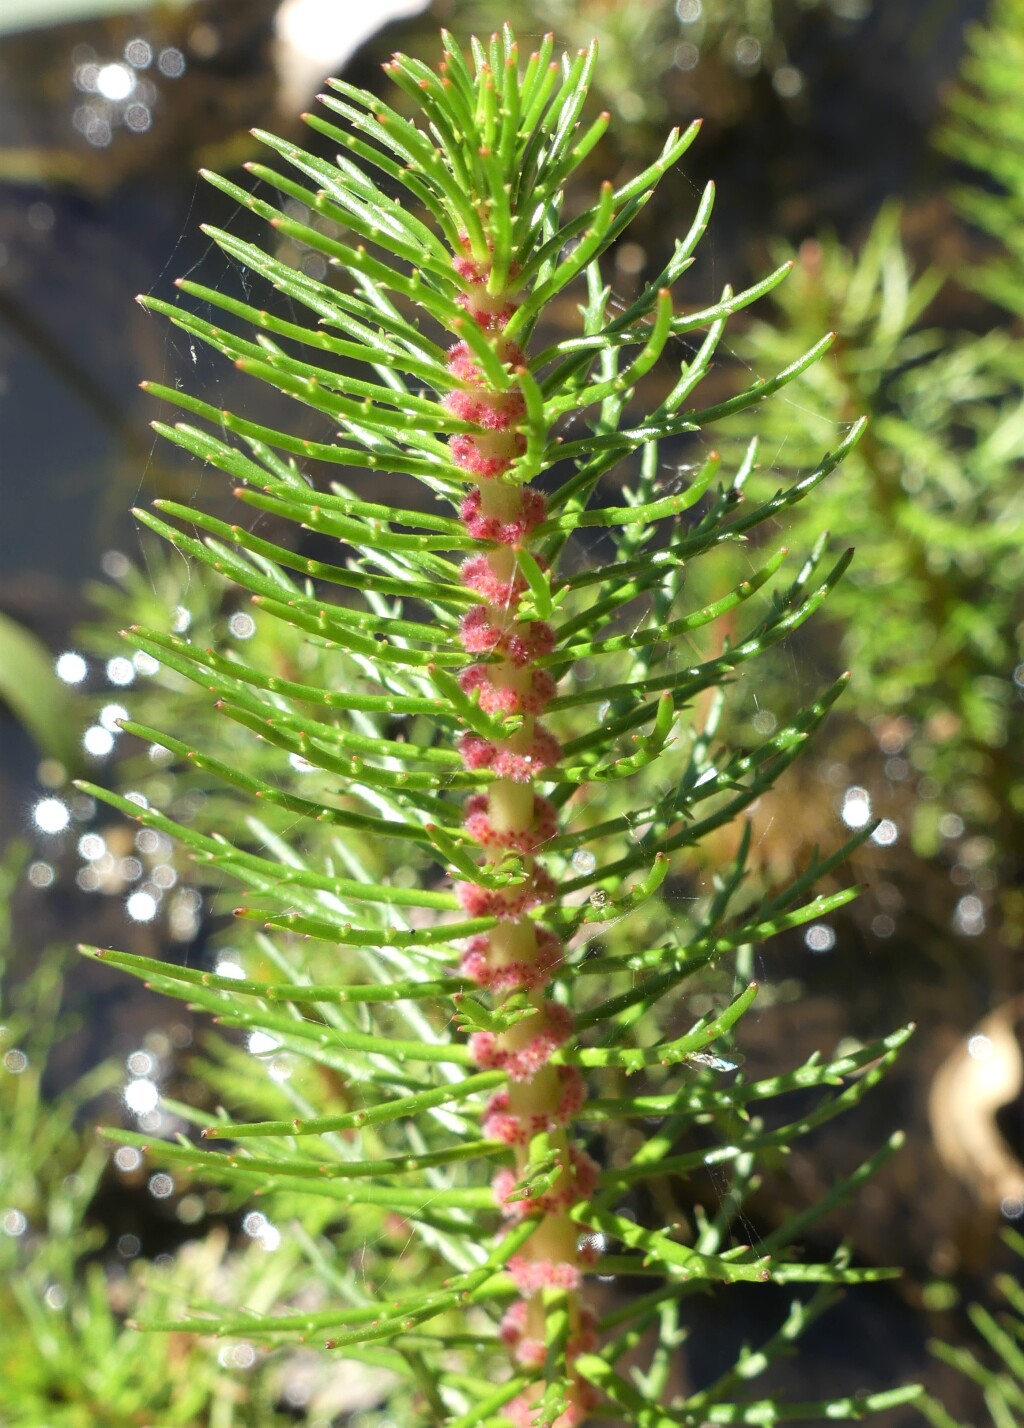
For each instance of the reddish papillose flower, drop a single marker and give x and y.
(532, 512)
(501, 823)
(520, 766)
(478, 824)
(512, 902)
(499, 699)
(554, 1026)
(479, 575)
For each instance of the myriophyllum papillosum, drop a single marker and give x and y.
(521, 721)
(519, 954)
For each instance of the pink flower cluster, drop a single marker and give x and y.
(535, 889)
(533, 1275)
(506, 681)
(553, 1027)
(512, 976)
(479, 575)
(522, 1410)
(462, 362)
(500, 699)
(577, 1181)
(491, 450)
(520, 641)
(533, 509)
(494, 411)
(500, 1124)
(487, 455)
(531, 1352)
(542, 752)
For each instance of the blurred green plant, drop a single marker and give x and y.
(985, 132)
(643, 43)
(35, 696)
(68, 1358)
(930, 624)
(1001, 1377)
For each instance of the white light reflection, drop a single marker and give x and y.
(787, 81)
(141, 1096)
(115, 82)
(71, 667)
(190, 1210)
(141, 907)
(139, 53)
(97, 741)
(120, 671)
(97, 129)
(819, 937)
(225, 967)
(687, 56)
(748, 51)
(969, 917)
(14, 1223)
(110, 715)
(261, 1044)
(241, 1356)
(886, 833)
(259, 1228)
(138, 118)
(51, 815)
(184, 915)
(171, 62)
(127, 1158)
(856, 810)
(115, 564)
(242, 626)
(92, 846)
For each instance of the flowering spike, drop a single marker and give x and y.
(415, 723)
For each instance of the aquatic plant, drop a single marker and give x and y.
(930, 625)
(999, 1372)
(979, 137)
(67, 1357)
(500, 988)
